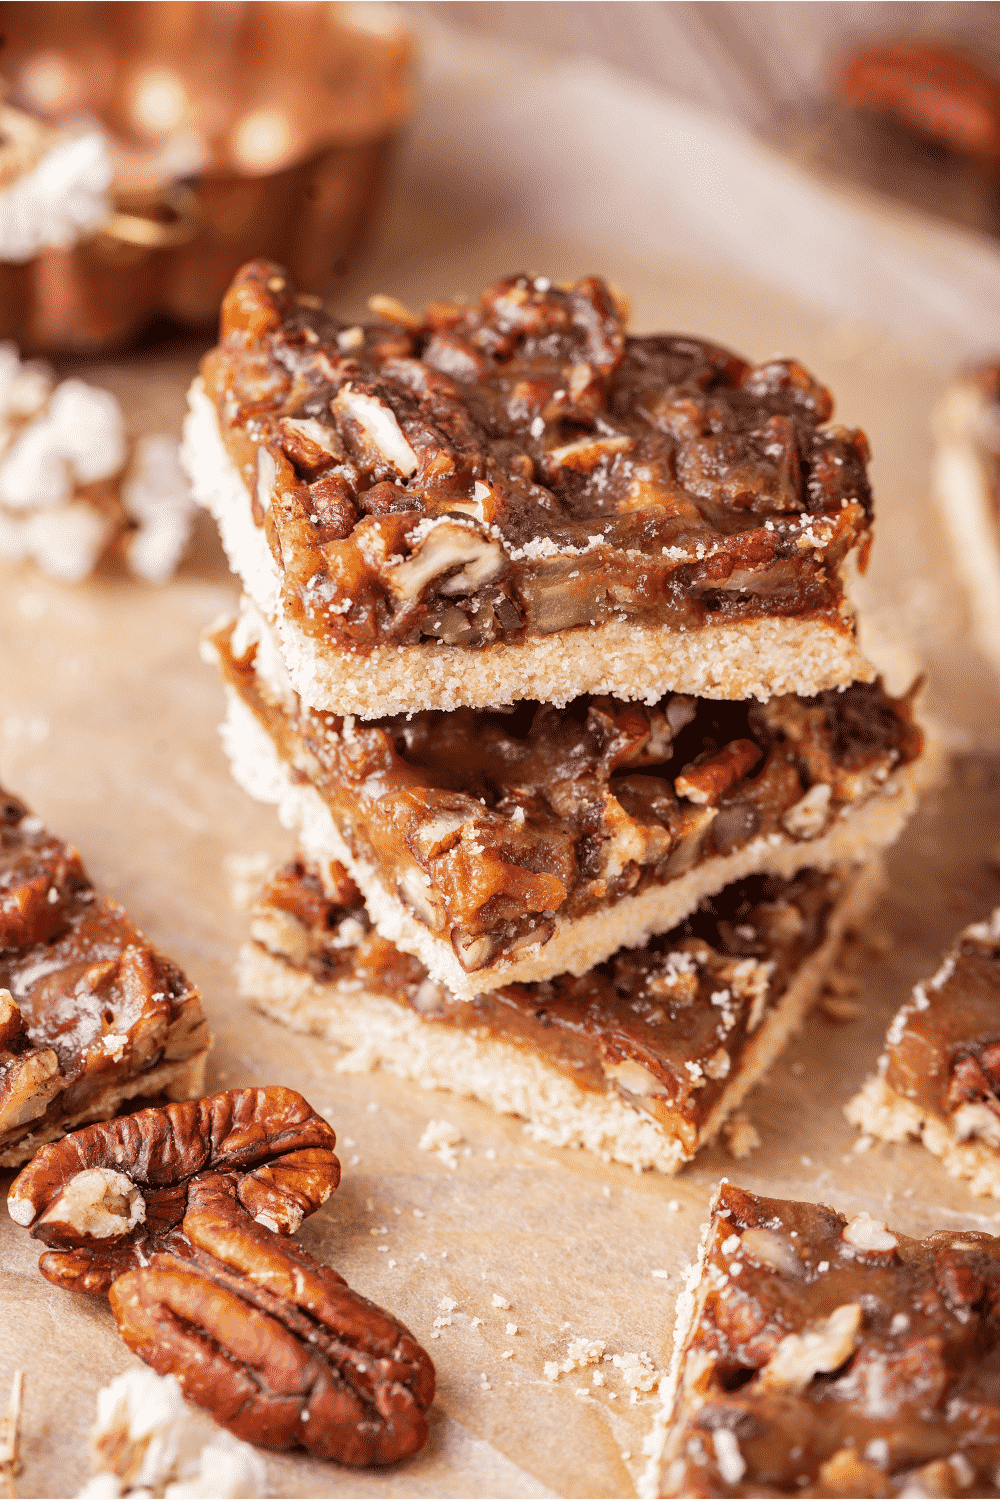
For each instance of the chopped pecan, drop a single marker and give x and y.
(105, 1197)
(708, 778)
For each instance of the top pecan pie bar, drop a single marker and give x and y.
(517, 499)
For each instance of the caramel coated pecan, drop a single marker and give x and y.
(182, 1216)
(106, 1197)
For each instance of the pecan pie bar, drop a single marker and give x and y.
(513, 845)
(518, 499)
(816, 1355)
(939, 1077)
(643, 1058)
(967, 488)
(90, 1013)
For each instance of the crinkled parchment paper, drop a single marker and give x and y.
(108, 727)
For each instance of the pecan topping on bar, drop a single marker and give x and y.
(489, 824)
(827, 1356)
(182, 1216)
(523, 464)
(90, 1012)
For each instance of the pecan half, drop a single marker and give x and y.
(105, 1197)
(182, 1216)
(276, 1346)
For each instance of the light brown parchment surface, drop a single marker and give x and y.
(108, 728)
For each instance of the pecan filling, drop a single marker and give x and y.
(943, 1049)
(489, 823)
(86, 1002)
(665, 1026)
(523, 465)
(827, 1357)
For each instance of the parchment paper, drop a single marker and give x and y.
(108, 727)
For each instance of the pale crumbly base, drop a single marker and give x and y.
(577, 944)
(376, 1032)
(183, 1079)
(880, 1112)
(752, 659)
(660, 1444)
(961, 486)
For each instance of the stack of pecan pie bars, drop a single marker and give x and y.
(545, 655)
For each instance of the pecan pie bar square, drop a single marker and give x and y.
(517, 498)
(939, 1077)
(512, 845)
(91, 1014)
(967, 489)
(821, 1355)
(641, 1059)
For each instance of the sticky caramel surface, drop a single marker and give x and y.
(943, 1049)
(524, 465)
(909, 1403)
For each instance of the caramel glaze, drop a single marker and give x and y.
(681, 1009)
(487, 823)
(943, 1049)
(588, 474)
(918, 1383)
(92, 1002)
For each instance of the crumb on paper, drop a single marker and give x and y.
(637, 1370)
(740, 1135)
(477, 1323)
(507, 1354)
(447, 1304)
(660, 1275)
(511, 1330)
(499, 1301)
(441, 1137)
(673, 1207)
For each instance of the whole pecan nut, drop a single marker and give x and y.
(182, 1216)
(275, 1345)
(105, 1197)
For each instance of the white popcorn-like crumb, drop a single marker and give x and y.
(499, 1301)
(507, 1354)
(157, 495)
(146, 1439)
(477, 1323)
(62, 198)
(447, 1304)
(551, 1370)
(511, 1330)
